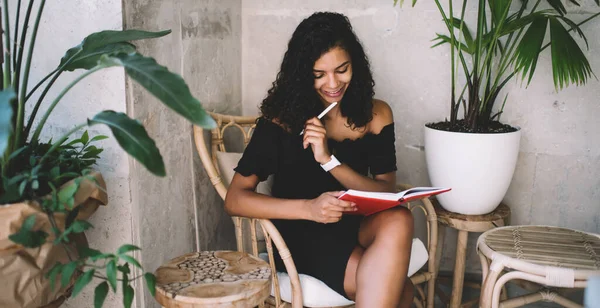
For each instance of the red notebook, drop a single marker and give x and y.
(372, 202)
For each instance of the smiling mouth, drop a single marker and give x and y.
(333, 93)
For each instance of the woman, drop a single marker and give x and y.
(363, 258)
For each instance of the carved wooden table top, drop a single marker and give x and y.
(213, 279)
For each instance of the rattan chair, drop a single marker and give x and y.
(245, 125)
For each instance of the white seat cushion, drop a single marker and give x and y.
(316, 293)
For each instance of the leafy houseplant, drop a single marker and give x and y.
(502, 46)
(48, 174)
(504, 43)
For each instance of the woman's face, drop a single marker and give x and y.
(332, 72)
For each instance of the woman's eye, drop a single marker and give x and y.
(319, 76)
(341, 72)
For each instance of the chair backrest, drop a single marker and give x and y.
(227, 141)
(244, 125)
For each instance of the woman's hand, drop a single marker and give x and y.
(315, 135)
(327, 208)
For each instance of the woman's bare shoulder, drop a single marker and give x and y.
(382, 116)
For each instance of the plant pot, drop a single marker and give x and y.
(478, 168)
(23, 269)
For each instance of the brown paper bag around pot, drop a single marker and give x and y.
(23, 269)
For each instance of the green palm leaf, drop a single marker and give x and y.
(514, 24)
(443, 39)
(529, 48)
(575, 27)
(133, 138)
(558, 6)
(569, 64)
(466, 33)
(499, 10)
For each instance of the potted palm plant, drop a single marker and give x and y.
(476, 155)
(48, 187)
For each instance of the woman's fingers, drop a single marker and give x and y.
(314, 121)
(335, 193)
(315, 128)
(311, 140)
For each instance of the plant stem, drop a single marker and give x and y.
(489, 56)
(7, 66)
(16, 33)
(21, 113)
(22, 46)
(480, 17)
(60, 142)
(39, 103)
(39, 84)
(452, 75)
(52, 220)
(38, 130)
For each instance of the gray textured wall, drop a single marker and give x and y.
(556, 181)
(205, 49)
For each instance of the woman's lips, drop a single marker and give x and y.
(336, 93)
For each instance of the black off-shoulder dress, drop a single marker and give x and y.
(319, 250)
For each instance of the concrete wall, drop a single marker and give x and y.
(556, 181)
(181, 212)
(60, 30)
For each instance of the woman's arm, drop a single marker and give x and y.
(242, 200)
(316, 137)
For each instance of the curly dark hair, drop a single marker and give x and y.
(292, 99)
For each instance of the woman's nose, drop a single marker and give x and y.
(332, 81)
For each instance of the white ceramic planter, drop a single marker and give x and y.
(478, 168)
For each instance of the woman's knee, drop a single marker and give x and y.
(395, 225)
(398, 220)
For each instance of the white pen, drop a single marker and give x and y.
(322, 114)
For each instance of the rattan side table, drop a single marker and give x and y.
(465, 224)
(548, 256)
(213, 279)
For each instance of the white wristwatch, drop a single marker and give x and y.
(332, 163)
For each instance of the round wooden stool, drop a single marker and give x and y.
(213, 279)
(465, 224)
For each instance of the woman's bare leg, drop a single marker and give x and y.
(376, 272)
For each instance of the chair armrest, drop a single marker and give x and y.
(272, 234)
(432, 227)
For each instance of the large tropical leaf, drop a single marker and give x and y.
(530, 46)
(99, 39)
(133, 138)
(169, 87)
(442, 39)
(6, 113)
(87, 60)
(569, 64)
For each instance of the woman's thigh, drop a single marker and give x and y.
(393, 224)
